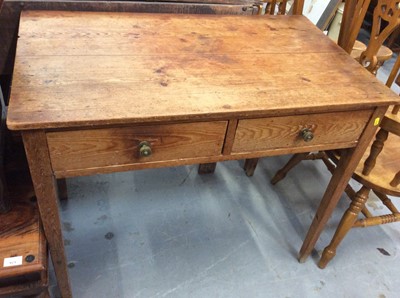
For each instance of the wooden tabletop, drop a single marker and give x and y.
(94, 68)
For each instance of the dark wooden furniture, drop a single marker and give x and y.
(23, 250)
(4, 198)
(182, 89)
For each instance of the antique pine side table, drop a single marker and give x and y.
(105, 92)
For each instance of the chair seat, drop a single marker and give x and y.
(387, 165)
(358, 48)
(391, 123)
(384, 53)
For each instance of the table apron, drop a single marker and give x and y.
(81, 152)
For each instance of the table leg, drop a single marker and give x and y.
(46, 191)
(62, 189)
(207, 168)
(250, 166)
(347, 164)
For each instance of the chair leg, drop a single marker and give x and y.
(386, 201)
(396, 180)
(250, 166)
(296, 158)
(207, 168)
(376, 148)
(346, 223)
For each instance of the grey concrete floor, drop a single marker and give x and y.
(173, 233)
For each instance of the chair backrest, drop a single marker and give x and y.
(390, 124)
(279, 7)
(394, 74)
(353, 17)
(388, 11)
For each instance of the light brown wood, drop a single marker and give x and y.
(345, 225)
(385, 167)
(389, 12)
(47, 197)
(347, 164)
(353, 16)
(81, 149)
(376, 148)
(298, 7)
(391, 123)
(198, 70)
(393, 73)
(371, 58)
(293, 161)
(377, 171)
(282, 132)
(177, 75)
(396, 180)
(230, 136)
(198, 160)
(357, 49)
(345, 27)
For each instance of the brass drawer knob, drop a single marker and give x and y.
(306, 134)
(144, 149)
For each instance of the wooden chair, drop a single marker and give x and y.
(353, 17)
(379, 171)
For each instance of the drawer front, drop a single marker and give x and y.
(285, 132)
(82, 149)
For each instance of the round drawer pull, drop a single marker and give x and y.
(144, 149)
(306, 134)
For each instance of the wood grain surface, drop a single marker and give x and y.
(93, 68)
(284, 132)
(387, 165)
(21, 235)
(46, 191)
(349, 161)
(71, 150)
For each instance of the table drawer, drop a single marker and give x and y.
(81, 149)
(285, 132)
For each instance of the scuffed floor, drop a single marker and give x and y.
(173, 233)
